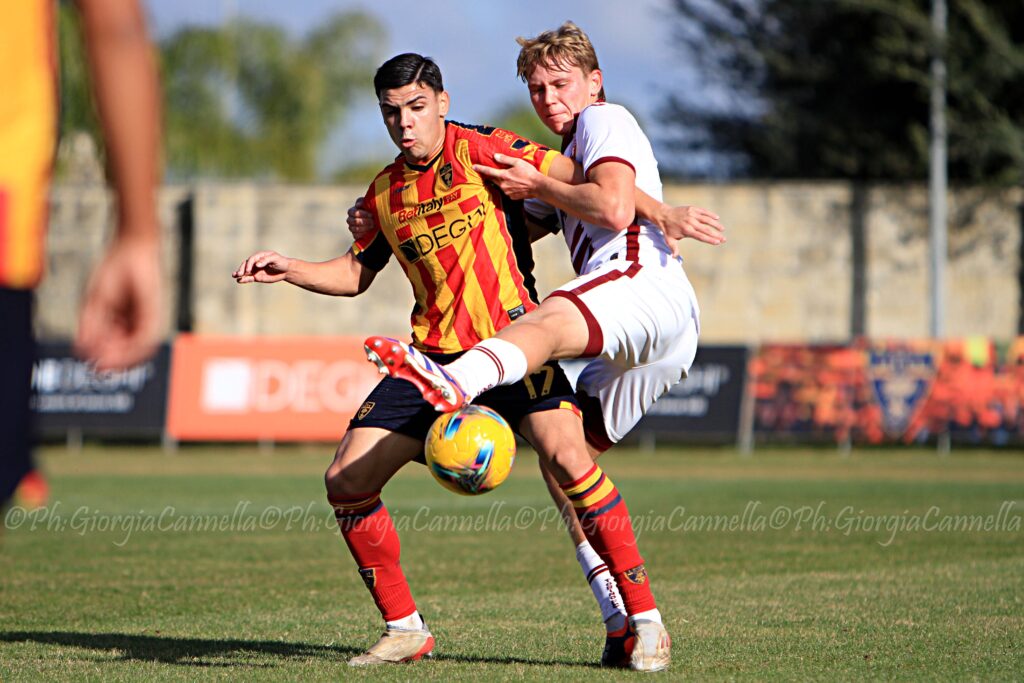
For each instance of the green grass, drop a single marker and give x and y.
(107, 587)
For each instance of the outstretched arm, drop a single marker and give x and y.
(120, 319)
(604, 199)
(343, 276)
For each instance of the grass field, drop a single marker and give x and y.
(226, 563)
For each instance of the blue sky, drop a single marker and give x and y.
(474, 43)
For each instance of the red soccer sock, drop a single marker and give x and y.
(608, 528)
(373, 542)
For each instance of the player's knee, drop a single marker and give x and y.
(567, 460)
(343, 479)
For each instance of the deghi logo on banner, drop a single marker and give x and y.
(240, 385)
(287, 388)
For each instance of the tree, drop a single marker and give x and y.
(242, 99)
(840, 88)
(249, 99)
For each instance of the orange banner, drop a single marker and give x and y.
(281, 389)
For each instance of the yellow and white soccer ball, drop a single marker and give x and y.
(470, 451)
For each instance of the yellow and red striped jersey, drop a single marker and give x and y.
(28, 131)
(462, 243)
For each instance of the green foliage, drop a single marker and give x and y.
(248, 99)
(840, 88)
(243, 99)
(77, 111)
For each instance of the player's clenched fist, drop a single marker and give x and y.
(360, 221)
(263, 266)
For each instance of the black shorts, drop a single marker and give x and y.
(17, 354)
(397, 405)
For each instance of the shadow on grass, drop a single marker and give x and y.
(191, 651)
(468, 659)
(170, 650)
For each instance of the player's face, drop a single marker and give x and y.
(560, 91)
(414, 115)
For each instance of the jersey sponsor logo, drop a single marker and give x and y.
(365, 409)
(431, 205)
(900, 381)
(637, 575)
(418, 246)
(369, 576)
(446, 175)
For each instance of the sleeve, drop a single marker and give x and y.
(607, 133)
(372, 249)
(486, 142)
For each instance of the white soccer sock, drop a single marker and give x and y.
(649, 615)
(488, 364)
(602, 583)
(412, 622)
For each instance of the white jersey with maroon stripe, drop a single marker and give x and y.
(608, 133)
(639, 307)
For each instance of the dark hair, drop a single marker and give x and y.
(407, 68)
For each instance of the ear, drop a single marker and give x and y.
(442, 103)
(595, 81)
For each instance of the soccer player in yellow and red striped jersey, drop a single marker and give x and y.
(462, 244)
(119, 323)
(463, 247)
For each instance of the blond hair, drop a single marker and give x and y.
(566, 45)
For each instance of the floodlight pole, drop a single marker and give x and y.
(938, 173)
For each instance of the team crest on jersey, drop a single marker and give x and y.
(365, 409)
(446, 175)
(369, 576)
(637, 575)
(900, 379)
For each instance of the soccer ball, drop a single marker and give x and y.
(471, 450)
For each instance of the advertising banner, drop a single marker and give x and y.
(705, 405)
(890, 391)
(279, 389)
(67, 395)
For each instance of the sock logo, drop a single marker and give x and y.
(637, 575)
(369, 576)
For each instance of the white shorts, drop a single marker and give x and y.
(644, 324)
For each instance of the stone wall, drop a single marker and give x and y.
(788, 272)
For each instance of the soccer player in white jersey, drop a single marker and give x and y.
(631, 309)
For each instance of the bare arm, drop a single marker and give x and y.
(120, 316)
(678, 222)
(605, 197)
(342, 276)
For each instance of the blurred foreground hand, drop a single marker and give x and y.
(120, 318)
